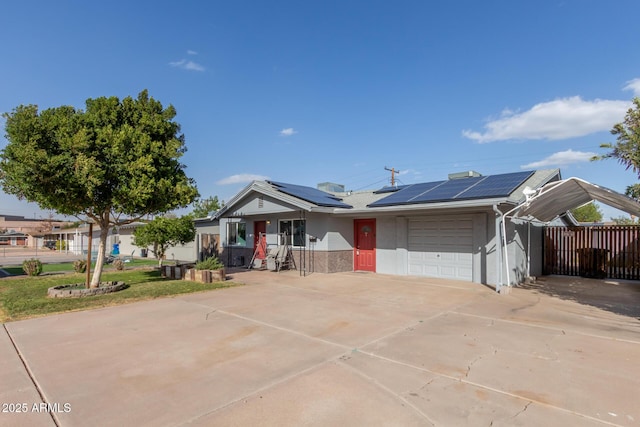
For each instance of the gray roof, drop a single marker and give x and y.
(359, 201)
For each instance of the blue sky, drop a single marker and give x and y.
(314, 91)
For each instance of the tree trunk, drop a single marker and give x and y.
(97, 272)
(159, 251)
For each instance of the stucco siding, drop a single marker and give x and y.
(386, 245)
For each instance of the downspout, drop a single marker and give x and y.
(529, 249)
(505, 248)
(498, 248)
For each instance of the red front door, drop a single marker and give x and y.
(259, 227)
(364, 252)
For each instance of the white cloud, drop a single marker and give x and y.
(243, 178)
(561, 158)
(288, 132)
(559, 119)
(191, 52)
(634, 86)
(187, 65)
(410, 172)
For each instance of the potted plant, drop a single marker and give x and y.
(207, 271)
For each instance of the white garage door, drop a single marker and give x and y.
(441, 247)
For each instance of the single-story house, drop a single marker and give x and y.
(13, 238)
(466, 227)
(76, 239)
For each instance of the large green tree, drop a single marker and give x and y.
(110, 164)
(163, 232)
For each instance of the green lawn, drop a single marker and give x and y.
(25, 297)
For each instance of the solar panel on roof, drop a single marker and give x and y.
(496, 185)
(456, 189)
(390, 189)
(406, 194)
(311, 195)
(447, 191)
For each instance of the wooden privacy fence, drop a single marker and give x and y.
(599, 251)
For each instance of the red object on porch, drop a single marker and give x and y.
(261, 250)
(260, 239)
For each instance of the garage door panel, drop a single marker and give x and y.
(441, 247)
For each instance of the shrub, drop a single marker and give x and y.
(32, 267)
(61, 245)
(212, 263)
(118, 264)
(80, 266)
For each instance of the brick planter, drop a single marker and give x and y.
(205, 276)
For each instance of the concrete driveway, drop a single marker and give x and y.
(339, 349)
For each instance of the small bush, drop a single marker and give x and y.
(212, 263)
(118, 264)
(80, 266)
(32, 267)
(61, 245)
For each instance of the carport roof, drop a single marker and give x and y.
(556, 198)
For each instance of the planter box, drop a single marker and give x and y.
(205, 276)
(173, 271)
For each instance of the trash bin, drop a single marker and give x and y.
(593, 262)
(116, 249)
(143, 253)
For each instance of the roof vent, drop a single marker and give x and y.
(331, 187)
(465, 174)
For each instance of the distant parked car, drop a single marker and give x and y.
(50, 244)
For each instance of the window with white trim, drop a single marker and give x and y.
(294, 231)
(236, 234)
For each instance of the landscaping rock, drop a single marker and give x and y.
(78, 290)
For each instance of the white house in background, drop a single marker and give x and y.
(76, 240)
(204, 245)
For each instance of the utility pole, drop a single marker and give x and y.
(393, 175)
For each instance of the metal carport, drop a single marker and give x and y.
(556, 198)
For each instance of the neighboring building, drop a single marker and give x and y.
(13, 238)
(34, 230)
(448, 229)
(76, 240)
(204, 245)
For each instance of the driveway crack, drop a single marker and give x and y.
(522, 410)
(477, 359)
(30, 374)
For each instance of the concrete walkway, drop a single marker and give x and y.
(326, 350)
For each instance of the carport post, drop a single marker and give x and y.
(504, 237)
